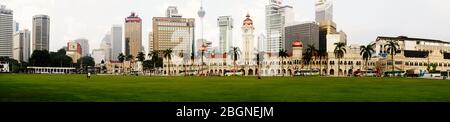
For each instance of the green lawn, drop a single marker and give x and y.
(76, 88)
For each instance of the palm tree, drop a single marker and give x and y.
(307, 56)
(314, 53)
(168, 55)
(121, 58)
(202, 50)
(366, 53)
(392, 47)
(141, 57)
(182, 57)
(235, 52)
(258, 60)
(129, 58)
(282, 53)
(154, 55)
(339, 52)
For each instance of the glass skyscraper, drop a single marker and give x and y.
(324, 10)
(6, 31)
(277, 17)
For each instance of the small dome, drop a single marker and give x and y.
(297, 44)
(248, 21)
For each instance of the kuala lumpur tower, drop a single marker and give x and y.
(201, 13)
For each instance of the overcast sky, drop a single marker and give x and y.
(362, 20)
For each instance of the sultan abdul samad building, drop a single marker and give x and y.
(414, 54)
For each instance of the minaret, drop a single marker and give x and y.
(247, 36)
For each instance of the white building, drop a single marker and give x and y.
(84, 46)
(6, 31)
(340, 37)
(116, 41)
(262, 45)
(150, 42)
(16, 27)
(277, 17)
(248, 37)
(21, 46)
(98, 55)
(106, 46)
(225, 24)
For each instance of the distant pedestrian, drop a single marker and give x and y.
(89, 75)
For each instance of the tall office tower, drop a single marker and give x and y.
(133, 35)
(6, 32)
(324, 10)
(172, 11)
(150, 42)
(106, 46)
(248, 36)
(326, 28)
(175, 33)
(225, 24)
(84, 46)
(277, 17)
(306, 32)
(262, 43)
(21, 46)
(116, 42)
(324, 16)
(41, 32)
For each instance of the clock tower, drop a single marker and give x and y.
(248, 36)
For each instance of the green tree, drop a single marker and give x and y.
(40, 58)
(84, 62)
(154, 59)
(366, 53)
(130, 59)
(392, 47)
(182, 55)
(202, 52)
(168, 56)
(140, 56)
(339, 52)
(282, 54)
(121, 58)
(307, 56)
(147, 65)
(314, 53)
(60, 59)
(14, 65)
(258, 64)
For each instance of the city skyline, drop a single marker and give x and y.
(362, 21)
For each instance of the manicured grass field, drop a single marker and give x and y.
(76, 88)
